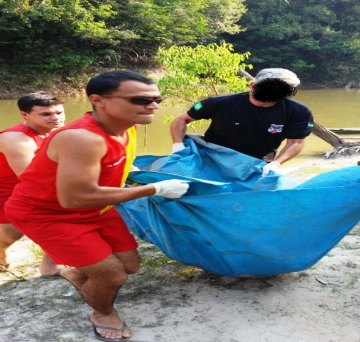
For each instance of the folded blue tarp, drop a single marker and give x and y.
(234, 222)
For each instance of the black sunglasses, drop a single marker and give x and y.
(138, 100)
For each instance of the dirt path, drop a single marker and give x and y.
(171, 302)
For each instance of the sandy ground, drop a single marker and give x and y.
(171, 302)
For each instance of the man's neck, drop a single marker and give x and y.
(112, 127)
(41, 132)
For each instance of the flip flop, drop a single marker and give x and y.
(102, 338)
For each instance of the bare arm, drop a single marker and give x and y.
(78, 154)
(19, 149)
(290, 150)
(178, 127)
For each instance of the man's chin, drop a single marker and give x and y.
(57, 125)
(145, 119)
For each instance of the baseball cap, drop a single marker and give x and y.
(282, 74)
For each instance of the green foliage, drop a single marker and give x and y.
(60, 37)
(202, 71)
(318, 39)
(68, 37)
(314, 38)
(223, 15)
(163, 23)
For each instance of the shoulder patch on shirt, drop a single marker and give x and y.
(197, 105)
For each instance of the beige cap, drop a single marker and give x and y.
(282, 74)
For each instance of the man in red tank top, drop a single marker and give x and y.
(68, 191)
(42, 112)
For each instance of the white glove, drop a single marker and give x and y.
(273, 166)
(172, 188)
(176, 147)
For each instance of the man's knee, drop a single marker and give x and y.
(130, 260)
(8, 234)
(132, 268)
(110, 271)
(115, 279)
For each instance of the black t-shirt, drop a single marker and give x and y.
(256, 131)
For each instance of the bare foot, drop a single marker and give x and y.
(8, 235)
(3, 265)
(110, 326)
(3, 262)
(47, 266)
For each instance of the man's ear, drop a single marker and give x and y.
(24, 114)
(95, 100)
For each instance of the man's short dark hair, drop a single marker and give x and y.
(39, 98)
(272, 90)
(108, 82)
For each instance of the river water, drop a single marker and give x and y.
(331, 108)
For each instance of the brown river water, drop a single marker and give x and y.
(331, 108)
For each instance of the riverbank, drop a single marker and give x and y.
(15, 86)
(13, 89)
(171, 302)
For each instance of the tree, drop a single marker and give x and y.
(55, 36)
(201, 71)
(318, 39)
(163, 23)
(68, 37)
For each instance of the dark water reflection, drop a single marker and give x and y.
(331, 108)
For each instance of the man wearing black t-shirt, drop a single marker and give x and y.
(254, 123)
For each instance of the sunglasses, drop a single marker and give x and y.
(138, 100)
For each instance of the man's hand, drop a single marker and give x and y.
(176, 147)
(172, 188)
(273, 166)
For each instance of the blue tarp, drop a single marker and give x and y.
(235, 222)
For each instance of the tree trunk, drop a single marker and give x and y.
(328, 136)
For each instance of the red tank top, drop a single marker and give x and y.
(35, 195)
(8, 178)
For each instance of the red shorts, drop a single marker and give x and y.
(3, 218)
(80, 243)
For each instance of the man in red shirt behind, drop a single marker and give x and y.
(42, 112)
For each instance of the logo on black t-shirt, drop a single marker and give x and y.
(274, 128)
